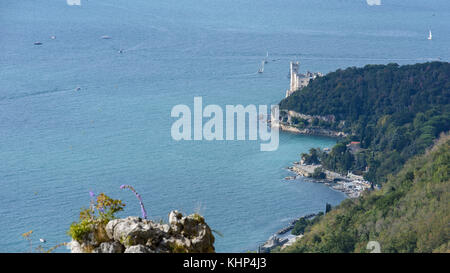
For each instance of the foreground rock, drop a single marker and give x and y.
(188, 234)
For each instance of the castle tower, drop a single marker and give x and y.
(298, 80)
(294, 75)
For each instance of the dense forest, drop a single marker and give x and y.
(409, 214)
(395, 112)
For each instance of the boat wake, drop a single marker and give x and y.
(243, 75)
(38, 93)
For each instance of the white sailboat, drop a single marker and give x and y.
(430, 36)
(261, 69)
(267, 56)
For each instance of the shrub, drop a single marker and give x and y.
(318, 174)
(99, 213)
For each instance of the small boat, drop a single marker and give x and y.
(267, 56)
(37, 43)
(106, 37)
(261, 69)
(53, 37)
(430, 36)
(73, 2)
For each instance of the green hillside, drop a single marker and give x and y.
(409, 214)
(394, 111)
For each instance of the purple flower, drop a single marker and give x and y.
(144, 213)
(92, 194)
(138, 196)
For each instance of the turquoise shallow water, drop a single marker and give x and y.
(57, 144)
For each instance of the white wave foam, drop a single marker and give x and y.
(373, 2)
(73, 2)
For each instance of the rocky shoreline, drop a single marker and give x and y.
(311, 131)
(352, 185)
(282, 238)
(286, 123)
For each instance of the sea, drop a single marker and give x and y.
(89, 109)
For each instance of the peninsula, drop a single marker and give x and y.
(387, 117)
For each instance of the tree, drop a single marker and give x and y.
(318, 173)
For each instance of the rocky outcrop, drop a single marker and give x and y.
(352, 185)
(287, 124)
(289, 114)
(109, 247)
(273, 242)
(187, 234)
(312, 131)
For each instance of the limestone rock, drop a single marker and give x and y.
(75, 247)
(132, 230)
(175, 220)
(109, 247)
(188, 234)
(138, 249)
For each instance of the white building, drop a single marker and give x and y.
(298, 80)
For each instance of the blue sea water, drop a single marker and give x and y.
(57, 144)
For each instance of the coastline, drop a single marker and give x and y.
(283, 237)
(352, 188)
(352, 185)
(285, 127)
(289, 118)
(311, 131)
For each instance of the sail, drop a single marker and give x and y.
(261, 69)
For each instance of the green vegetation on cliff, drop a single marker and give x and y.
(392, 114)
(409, 214)
(395, 112)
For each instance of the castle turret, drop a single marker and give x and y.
(294, 75)
(298, 80)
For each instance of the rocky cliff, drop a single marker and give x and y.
(183, 234)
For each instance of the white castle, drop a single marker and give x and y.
(298, 80)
